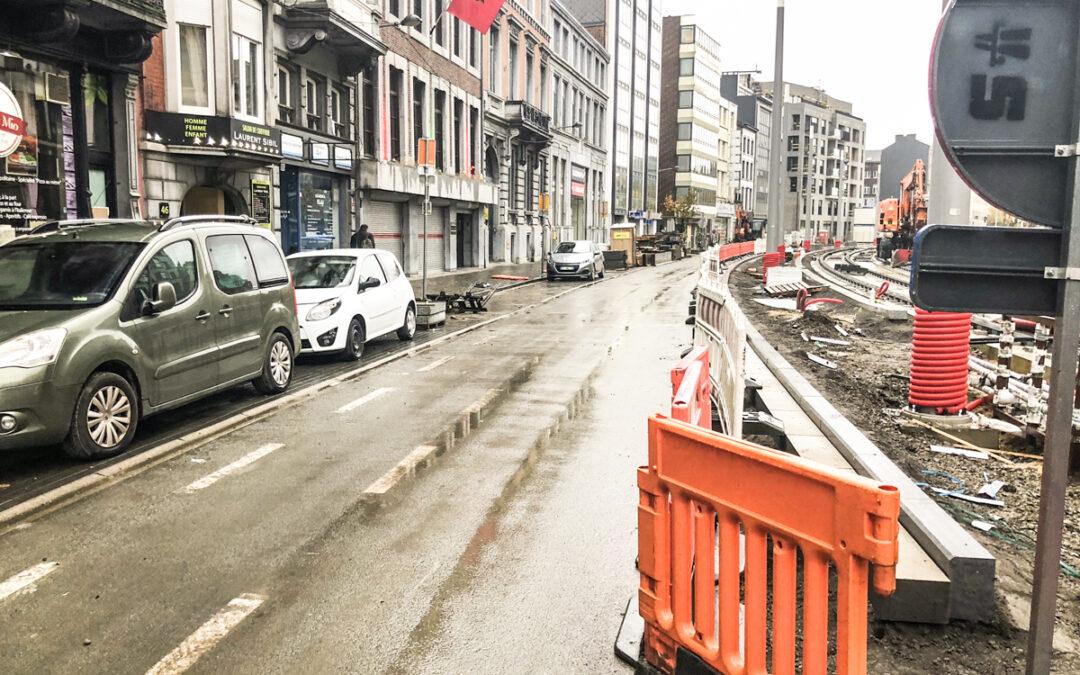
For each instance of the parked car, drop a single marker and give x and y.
(577, 259)
(104, 322)
(348, 297)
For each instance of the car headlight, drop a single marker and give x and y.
(324, 310)
(33, 349)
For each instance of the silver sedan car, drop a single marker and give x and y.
(576, 259)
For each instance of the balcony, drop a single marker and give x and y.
(346, 27)
(534, 125)
(114, 31)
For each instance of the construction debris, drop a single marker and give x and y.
(830, 341)
(820, 361)
(962, 452)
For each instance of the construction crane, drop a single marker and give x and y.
(899, 219)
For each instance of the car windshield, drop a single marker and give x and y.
(62, 274)
(322, 271)
(573, 247)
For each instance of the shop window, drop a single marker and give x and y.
(195, 73)
(440, 133)
(367, 85)
(286, 91)
(395, 113)
(340, 111)
(418, 110)
(315, 103)
(231, 263)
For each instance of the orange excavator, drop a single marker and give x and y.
(899, 219)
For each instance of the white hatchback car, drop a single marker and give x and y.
(347, 297)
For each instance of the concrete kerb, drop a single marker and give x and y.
(113, 474)
(969, 566)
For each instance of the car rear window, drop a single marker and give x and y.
(269, 266)
(231, 260)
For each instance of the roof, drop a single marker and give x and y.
(132, 231)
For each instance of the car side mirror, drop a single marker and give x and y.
(164, 299)
(370, 282)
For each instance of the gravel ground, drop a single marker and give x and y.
(870, 380)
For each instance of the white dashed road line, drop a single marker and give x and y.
(26, 581)
(251, 457)
(207, 636)
(368, 398)
(434, 364)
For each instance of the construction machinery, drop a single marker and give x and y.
(899, 219)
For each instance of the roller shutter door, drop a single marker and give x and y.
(435, 243)
(384, 219)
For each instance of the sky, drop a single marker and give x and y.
(870, 52)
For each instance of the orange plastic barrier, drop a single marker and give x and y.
(691, 389)
(700, 494)
(737, 250)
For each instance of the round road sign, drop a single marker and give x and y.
(1003, 79)
(12, 126)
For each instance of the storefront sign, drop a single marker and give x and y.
(620, 234)
(292, 146)
(320, 153)
(343, 157)
(261, 202)
(578, 177)
(212, 132)
(12, 126)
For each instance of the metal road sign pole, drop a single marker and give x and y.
(774, 230)
(423, 247)
(1059, 435)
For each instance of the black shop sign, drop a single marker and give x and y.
(207, 131)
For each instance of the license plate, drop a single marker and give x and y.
(567, 268)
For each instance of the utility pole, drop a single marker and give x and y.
(774, 232)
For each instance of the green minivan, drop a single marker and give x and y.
(103, 322)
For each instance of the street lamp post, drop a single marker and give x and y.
(774, 234)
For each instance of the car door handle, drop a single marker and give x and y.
(203, 316)
(225, 311)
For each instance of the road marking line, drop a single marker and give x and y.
(207, 635)
(251, 457)
(435, 364)
(367, 398)
(405, 467)
(26, 581)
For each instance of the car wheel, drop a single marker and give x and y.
(355, 338)
(592, 273)
(408, 329)
(106, 415)
(277, 372)
(551, 277)
(603, 271)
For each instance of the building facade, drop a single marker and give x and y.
(630, 31)
(897, 161)
(516, 73)
(824, 147)
(755, 110)
(69, 93)
(580, 181)
(725, 185)
(872, 178)
(690, 119)
(744, 163)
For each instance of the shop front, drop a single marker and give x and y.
(578, 209)
(68, 79)
(209, 165)
(314, 193)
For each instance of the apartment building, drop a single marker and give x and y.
(580, 182)
(725, 185)
(630, 31)
(690, 119)
(755, 110)
(824, 149)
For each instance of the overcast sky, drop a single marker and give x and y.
(872, 53)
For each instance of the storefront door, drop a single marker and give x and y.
(310, 216)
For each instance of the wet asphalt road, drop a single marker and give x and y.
(261, 551)
(25, 474)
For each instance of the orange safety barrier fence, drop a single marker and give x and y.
(730, 251)
(691, 389)
(699, 496)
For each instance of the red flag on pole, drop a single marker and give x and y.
(477, 13)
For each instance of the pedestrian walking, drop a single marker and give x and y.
(362, 238)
